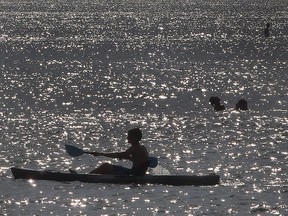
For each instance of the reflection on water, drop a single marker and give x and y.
(85, 73)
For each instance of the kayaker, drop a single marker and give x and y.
(137, 153)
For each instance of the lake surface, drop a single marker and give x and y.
(85, 72)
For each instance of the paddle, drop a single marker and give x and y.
(74, 151)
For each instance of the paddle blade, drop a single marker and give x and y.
(153, 162)
(73, 151)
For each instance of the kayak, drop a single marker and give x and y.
(206, 180)
(178, 180)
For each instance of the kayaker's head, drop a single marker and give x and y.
(134, 135)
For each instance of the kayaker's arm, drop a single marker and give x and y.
(119, 155)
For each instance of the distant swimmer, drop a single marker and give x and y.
(267, 30)
(242, 105)
(215, 102)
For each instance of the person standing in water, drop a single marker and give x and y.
(267, 30)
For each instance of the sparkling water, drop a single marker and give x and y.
(84, 72)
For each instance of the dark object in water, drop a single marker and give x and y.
(215, 102)
(242, 105)
(267, 30)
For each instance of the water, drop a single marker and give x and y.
(84, 72)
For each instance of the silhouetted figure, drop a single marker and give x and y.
(136, 153)
(215, 102)
(267, 30)
(242, 105)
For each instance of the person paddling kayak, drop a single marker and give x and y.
(137, 153)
